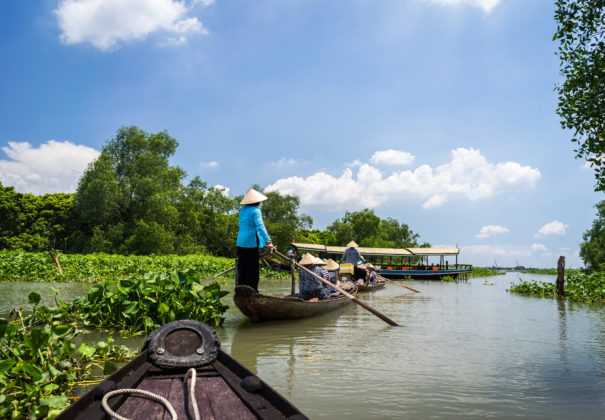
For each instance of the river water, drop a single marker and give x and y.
(464, 350)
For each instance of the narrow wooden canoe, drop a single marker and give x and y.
(369, 288)
(224, 389)
(259, 307)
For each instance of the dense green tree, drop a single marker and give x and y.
(126, 199)
(581, 36)
(367, 229)
(592, 250)
(34, 223)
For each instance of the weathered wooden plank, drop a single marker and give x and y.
(142, 408)
(217, 395)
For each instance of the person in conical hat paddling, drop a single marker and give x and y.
(370, 274)
(252, 235)
(352, 256)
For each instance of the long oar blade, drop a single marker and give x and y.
(398, 284)
(350, 296)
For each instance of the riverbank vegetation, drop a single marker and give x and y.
(484, 272)
(93, 268)
(579, 287)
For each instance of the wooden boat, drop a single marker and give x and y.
(259, 307)
(224, 389)
(371, 288)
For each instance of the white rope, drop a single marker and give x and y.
(191, 372)
(148, 394)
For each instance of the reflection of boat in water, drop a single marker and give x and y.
(224, 389)
(401, 262)
(259, 307)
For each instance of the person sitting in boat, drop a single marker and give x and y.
(352, 256)
(371, 274)
(310, 288)
(333, 267)
(361, 274)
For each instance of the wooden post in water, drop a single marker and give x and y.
(293, 272)
(561, 276)
(56, 260)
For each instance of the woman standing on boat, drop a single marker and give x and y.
(252, 235)
(352, 256)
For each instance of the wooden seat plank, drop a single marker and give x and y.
(137, 407)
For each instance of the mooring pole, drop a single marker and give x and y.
(561, 276)
(293, 272)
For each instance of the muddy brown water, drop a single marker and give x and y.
(463, 351)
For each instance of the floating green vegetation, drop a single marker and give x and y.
(448, 279)
(141, 304)
(40, 364)
(551, 271)
(579, 287)
(484, 272)
(38, 266)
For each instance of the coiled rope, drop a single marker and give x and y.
(191, 372)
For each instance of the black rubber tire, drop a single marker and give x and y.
(208, 337)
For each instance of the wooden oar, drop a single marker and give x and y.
(350, 296)
(218, 275)
(398, 284)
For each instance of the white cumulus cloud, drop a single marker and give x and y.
(468, 175)
(49, 168)
(285, 162)
(392, 157)
(211, 164)
(553, 228)
(491, 230)
(106, 23)
(486, 5)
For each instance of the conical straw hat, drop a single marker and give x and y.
(370, 266)
(360, 265)
(319, 261)
(352, 244)
(253, 196)
(332, 265)
(307, 259)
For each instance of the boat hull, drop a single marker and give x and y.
(423, 274)
(379, 285)
(259, 307)
(224, 389)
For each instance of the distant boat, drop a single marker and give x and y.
(400, 262)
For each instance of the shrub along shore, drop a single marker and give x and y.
(93, 268)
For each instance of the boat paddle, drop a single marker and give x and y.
(398, 284)
(350, 296)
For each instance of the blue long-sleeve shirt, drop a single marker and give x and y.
(352, 256)
(250, 225)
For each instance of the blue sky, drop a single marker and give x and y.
(439, 113)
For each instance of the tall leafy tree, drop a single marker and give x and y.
(581, 36)
(592, 250)
(281, 218)
(126, 199)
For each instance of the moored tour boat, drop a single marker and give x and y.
(179, 361)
